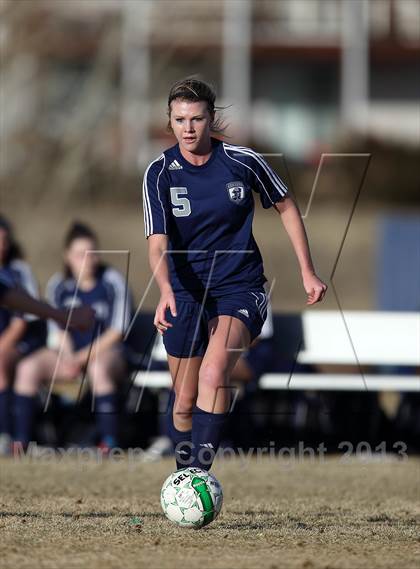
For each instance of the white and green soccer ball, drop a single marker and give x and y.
(191, 497)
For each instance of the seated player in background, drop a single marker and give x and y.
(20, 334)
(98, 352)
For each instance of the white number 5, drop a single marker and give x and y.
(183, 206)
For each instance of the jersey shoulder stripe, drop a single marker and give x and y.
(56, 285)
(151, 184)
(121, 306)
(256, 163)
(264, 164)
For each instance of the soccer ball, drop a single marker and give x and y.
(191, 497)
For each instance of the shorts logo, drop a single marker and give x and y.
(236, 192)
(244, 311)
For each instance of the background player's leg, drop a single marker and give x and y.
(30, 373)
(104, 371)
(184, 373)
(8, 359)
(228, 336)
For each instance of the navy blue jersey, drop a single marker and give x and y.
(109, 298)
(5, 283)
(207, 213)
(17, 274)
(3, 288)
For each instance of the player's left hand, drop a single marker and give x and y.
(314, 287)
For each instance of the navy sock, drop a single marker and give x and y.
(166, 419)
(5, 414)
(207, 433)
(181, 440)
(106, 408)
(24, 411)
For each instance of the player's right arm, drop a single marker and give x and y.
(156, 221)
(158, 246)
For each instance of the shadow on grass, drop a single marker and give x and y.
(241, 525)
(247, 521)
(86, 515)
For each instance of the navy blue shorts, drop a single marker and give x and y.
(189, 336)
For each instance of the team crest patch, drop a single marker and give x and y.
(236, 192)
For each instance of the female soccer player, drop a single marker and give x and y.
(198, 199)
(85, 281)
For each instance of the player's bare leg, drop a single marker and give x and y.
(41, 367)
(104, 370)
(184, 373)
(228, 337)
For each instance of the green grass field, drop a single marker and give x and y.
(331, 514)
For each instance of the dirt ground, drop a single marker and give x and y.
(62, 513)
